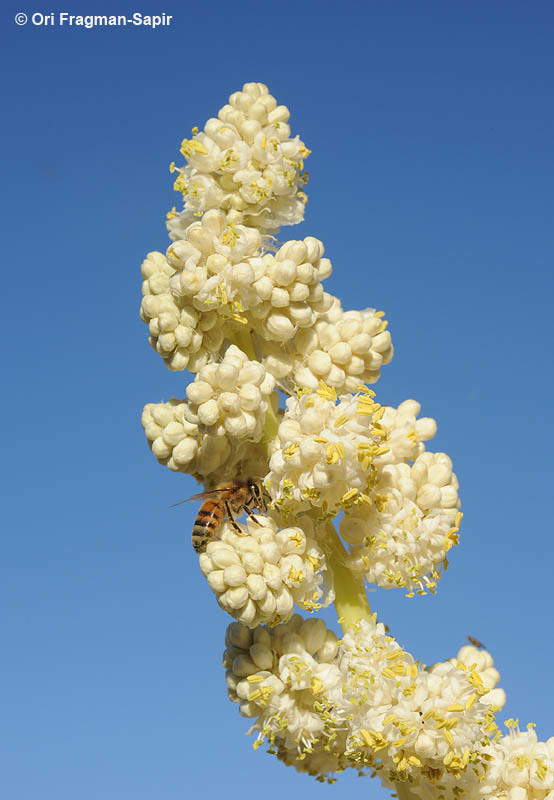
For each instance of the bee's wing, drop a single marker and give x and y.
(202, 496)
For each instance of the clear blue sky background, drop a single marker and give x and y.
(431, 126)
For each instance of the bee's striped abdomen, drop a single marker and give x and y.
(207, 523)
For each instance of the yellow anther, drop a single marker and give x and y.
(172, 166)
(179, 184)
(448, 736)
(341, 420)
(295, 575)
(297, 539)
(396, 654)
(326, 392)
(332, 454)
(191, 146)
(470, 701)
(399, 743)
(317, 686)
(314, 562)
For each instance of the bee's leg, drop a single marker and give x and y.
(251, 514)
(231, 518)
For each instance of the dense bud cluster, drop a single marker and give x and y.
(183, 447)
(259, 574)
(182, 335)
(230, 397)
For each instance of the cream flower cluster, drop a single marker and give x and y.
(371, 706)
(281, 678)
(402, 537)
(184, 336)
(245, 163)
(259, 574)
(289, 292)
(483, 664)
(183, 447)
(406, 433)
(326, 450)
(343, 348)
(519, 767)
(210, 263)
(230, 397)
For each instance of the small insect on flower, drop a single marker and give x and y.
(227, 499)
(475, 642)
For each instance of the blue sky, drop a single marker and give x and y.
(431, 129)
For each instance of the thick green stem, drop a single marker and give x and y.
(271, 425)
(350, 596)
(241, 338)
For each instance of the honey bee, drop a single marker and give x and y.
(475, 642)
(223, 502)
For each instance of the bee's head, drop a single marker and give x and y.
(256, 490)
